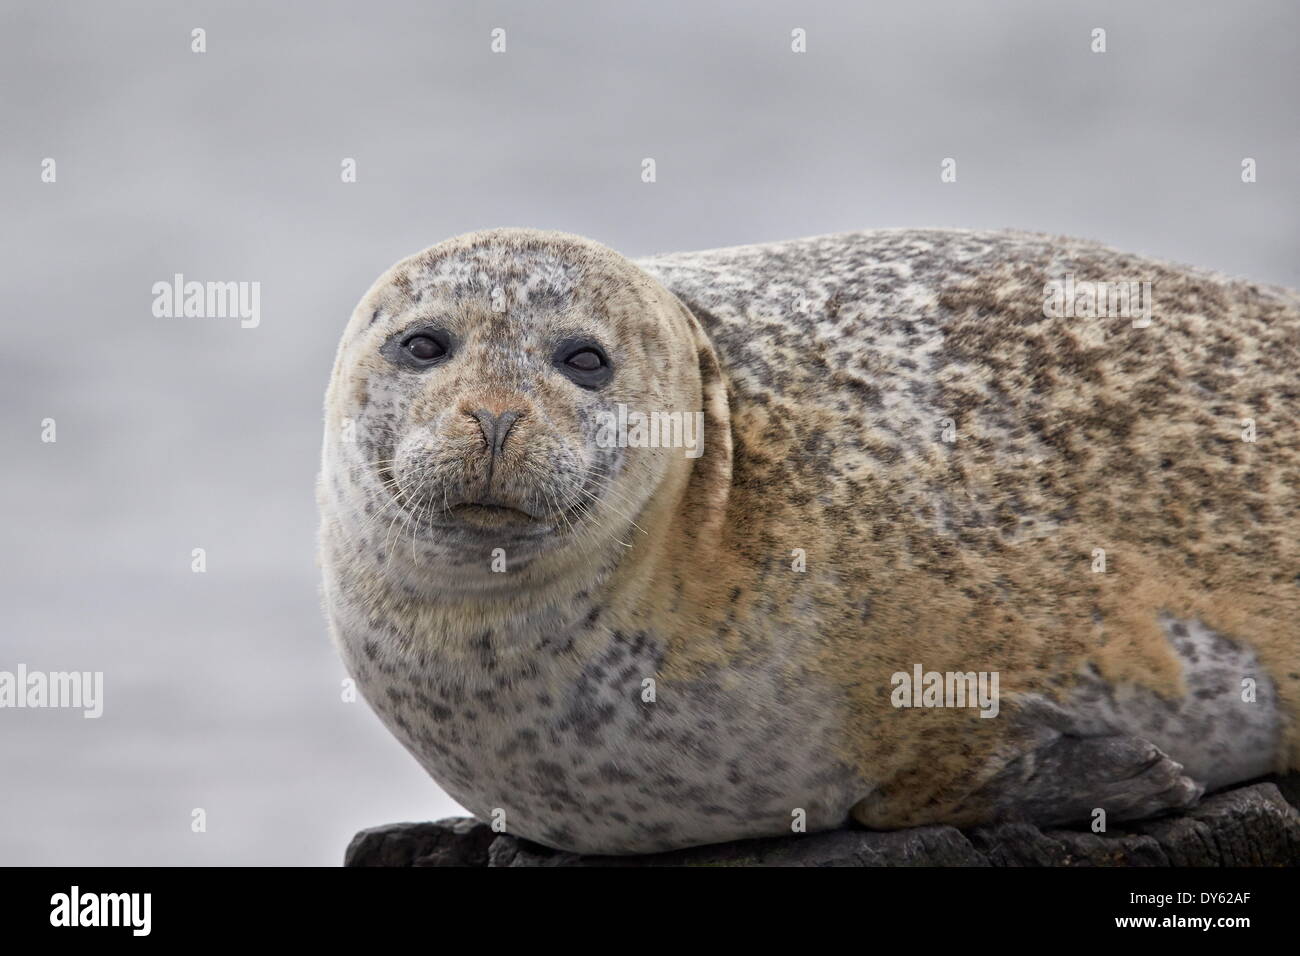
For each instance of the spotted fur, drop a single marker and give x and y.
(830, 372)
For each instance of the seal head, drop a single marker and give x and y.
(469, 393)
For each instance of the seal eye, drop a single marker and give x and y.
(425, 348)
(419, 348)
(584, 363)
(585, 360)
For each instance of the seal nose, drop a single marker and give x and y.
(495, 427)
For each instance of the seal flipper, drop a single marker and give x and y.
(1067, 778)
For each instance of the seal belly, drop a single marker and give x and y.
(593, 760)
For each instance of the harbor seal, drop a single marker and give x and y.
(971, 536)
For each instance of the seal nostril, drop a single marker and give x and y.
(505, 422)
(495, 427)
(486, 424)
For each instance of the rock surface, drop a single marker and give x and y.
(1253, 825)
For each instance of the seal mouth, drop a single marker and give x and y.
(480, 510)
(489, 514)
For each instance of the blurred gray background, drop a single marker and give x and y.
(222, 689)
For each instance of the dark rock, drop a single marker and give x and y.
(1254, 825)
(1289, 787)
(922, 846)
(455, 841)
(1250, 826)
